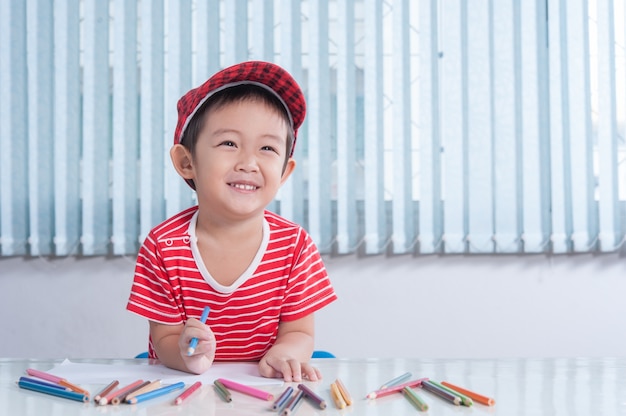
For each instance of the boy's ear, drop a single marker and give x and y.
(181, 159)
(289, 167)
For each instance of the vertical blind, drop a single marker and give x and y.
(433, 127)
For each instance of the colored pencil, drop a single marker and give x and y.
(44, 383)
(282, 399)
(53, 391)
(56, 379)
(108, 389)
(395, 389)
(123, 396)
(466, 401)
(194, 341)
(156, 393)
(109, 397)
(478, 397)
(249, 390)
(395, 381)
(222, 391)
(184, 395)
(74, 387)
(340, 403)
(294, 403)
(344, 392)
(431, 387)
(43, 375)
(144, 388)
(415, 399)
(312, 396)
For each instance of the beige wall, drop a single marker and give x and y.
(457, 306)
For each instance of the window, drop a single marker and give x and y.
(431, 128)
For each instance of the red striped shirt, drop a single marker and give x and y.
(286, 281)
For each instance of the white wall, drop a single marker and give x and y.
(485, 306)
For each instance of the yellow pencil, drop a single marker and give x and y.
(344, 392)
(337, 397)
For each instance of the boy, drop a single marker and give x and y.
(261, 275)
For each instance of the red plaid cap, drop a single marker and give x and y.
(264, 74)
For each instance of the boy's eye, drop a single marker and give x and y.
(268, 148)
(228, 143)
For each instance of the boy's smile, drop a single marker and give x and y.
(244, 187)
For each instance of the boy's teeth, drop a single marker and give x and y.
(244, 187)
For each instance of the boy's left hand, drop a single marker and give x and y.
(287, 368)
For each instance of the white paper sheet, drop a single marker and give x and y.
(88, 373)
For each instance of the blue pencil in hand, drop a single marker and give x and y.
(194, 341)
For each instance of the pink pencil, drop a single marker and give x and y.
(241, 388)
(395, 389)
(43, 375)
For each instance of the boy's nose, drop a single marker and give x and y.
(247, 162)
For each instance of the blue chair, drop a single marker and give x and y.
(322, 354)
(316, 354)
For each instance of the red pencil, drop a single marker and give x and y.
(107, 399)
(108, 389)
(181, 398)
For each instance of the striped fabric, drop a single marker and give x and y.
(286, 281)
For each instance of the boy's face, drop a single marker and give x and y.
(239, 158)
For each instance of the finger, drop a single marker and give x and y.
(267, 370)
(194, 323)
(205, 341)
(292, 370)
(288, 370)
(206, 346)
(310, 373)
(189, 333)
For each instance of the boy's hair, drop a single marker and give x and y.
(279, 88)
(238, 93)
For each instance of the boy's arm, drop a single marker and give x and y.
(290, 355)
(171, 343)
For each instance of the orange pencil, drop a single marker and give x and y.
(478, 397)
(73, 387)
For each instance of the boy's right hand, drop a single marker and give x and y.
(204, 354)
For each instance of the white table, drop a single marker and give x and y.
(560, 386)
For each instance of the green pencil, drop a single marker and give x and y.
(222, 391)
(415, 399)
